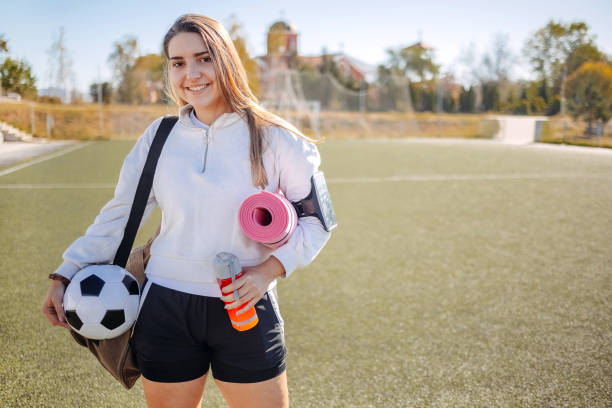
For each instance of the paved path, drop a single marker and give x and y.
(516, 129)
(14, 152)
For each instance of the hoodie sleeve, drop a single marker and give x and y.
(298, 160)
(101, 240)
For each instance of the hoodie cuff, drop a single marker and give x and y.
(67, 269)
(287, 256)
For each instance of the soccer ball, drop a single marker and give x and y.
(101, 301)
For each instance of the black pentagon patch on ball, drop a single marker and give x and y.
(131, 285)
(73, 319)
(113, 319)
(91, 286)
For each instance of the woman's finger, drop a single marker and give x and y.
(51, 314)
(247, 307)
(243, 298)
(249, 294)
(237, 284)
(49, 311)
(59, 311)
(250, 297)
(230, 295)
(52, 305)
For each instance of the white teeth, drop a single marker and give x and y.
(197, 88)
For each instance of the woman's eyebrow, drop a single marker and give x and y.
(197, 54)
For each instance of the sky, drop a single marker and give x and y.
(361, 29)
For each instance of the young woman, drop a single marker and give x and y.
(224, 148)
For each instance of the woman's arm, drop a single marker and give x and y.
(299, 160)
(101, 240)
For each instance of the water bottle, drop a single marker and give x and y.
(228, 269)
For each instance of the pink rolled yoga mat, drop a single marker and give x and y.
(267, 218)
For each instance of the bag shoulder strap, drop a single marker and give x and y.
(143, 190)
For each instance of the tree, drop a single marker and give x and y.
(549, 48)
(490, 96)
(328, 67)
(16, 76)
(488, 75)
(147, 76)
(250, 66)
(582, 54)
(3, 50)
(122, 60)
(60, 66)
(498, 61)
(535, 95)
(449, 104)
(497, 66)
(415, 63)
(107, 92)
(76, 97)
(589, 91)
(3, 44)
(393, 91)
(448, 92)
(467, 100)
(49, 99)
(467, 70)
(415, 60)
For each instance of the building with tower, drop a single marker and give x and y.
(282, 53)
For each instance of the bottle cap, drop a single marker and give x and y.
(226, 265)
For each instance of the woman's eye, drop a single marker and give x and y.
(206, 59)
(177, 64)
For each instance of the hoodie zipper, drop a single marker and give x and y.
(205, 156)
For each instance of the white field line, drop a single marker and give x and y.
(55, 186)
(439, 177)
(461, 177)
(42, 159)
(489, 142)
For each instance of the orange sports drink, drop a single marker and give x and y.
(228, 269)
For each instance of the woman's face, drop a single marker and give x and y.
(192, 74)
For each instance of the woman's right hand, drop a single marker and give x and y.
(52, 306)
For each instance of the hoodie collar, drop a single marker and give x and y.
(222, 121)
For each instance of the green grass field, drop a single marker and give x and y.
(462, 274)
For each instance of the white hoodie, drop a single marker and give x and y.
(202, 178)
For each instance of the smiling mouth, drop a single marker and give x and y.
(197, 88)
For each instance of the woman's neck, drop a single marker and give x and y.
(208, 116)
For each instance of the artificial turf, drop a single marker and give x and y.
(480, 276)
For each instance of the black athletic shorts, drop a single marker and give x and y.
(177, 336)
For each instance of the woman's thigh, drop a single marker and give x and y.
(271, 393)
(186, 394)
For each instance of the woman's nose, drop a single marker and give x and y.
(193, 71)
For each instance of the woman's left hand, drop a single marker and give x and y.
(252, 284)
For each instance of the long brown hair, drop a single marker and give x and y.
(233, 83)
